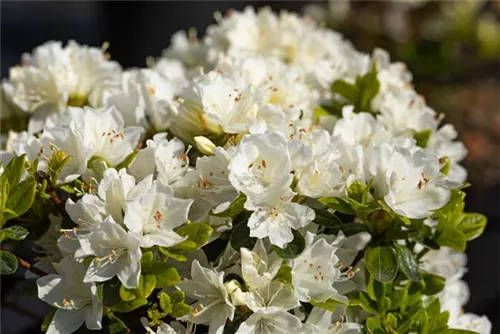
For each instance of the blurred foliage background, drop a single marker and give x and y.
(452, 48)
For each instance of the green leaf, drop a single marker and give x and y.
(196, 233)
(392, 321)
(165, 302)
(234, 209)
(14, 170)
(344, 205)
(446, 163)
(48, 319)
(368, 86)
(240, 237)
(284, 274)
(374, 326)
(180, 309)
(56, 164)
(326, 219)
(293, 248)
(117, 326)
(147, 284)
(434, 307)
(407, 263)
(175, 256)
(374, 288)
(127, 161)
(4, 192)
(347, 90)
(351, 229)
(452, 237)
(422, 137)
(20, 199)
(15, 232)
(177, 296)
(8, 263)
(108, 293)
(358, 191)
(367, 304)
(433, 284)
(438, 322)
(329, 304)
(167, 278)
(384, 304)
(472, 225)
(125, 307)
(397, 297)
(382, 263)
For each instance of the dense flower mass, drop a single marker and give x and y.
(268, 178)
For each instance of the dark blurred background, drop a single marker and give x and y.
(457, 70)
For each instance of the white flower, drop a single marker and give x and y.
(114, 190)
(277, 219)
(117, 253)
(76, 301)
(322, 321)
(471, 322)
(213, 307)
(54, 77)
(84, 133)
(142, 97)
(257, 268)
(406, 177)
(261, 167)
(315, 270)
(154, 215)
(270, 304)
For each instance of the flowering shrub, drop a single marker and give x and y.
(268, 178)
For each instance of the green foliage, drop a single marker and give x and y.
(15, 232)
(197, 235)
(240, 237)
(361, 93)
(422, 137)
(58, 160)
(165, 274)
(293, 248)
(147, 283)
(108, 293)
(329, 304)
(8, 263)
(48, 319)
(382, 263)
(432, 284)
(127, 161)
(284, 274)
(407, 263)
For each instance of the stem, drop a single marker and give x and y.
(422, 253)
(28, 266)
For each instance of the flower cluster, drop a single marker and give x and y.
(268, 178)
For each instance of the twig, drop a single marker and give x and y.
(28, 266)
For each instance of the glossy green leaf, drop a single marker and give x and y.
(374, 326)
(175, 256)
(180, 309)
(196, 233)
(165, 302)
(472, 225)
(382, 263)
(14, 170)
(20, 198)
(407, 263)
(422, 137)
(433, 284)
(240, 237)
(125, 307)
(284, 274)
(329, 304)
(147, 284)
(108, 293)
(168, 277)
(452, 237)
(293, 248)
(15, 232)
(8, 263)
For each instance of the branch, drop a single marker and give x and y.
(28, 266)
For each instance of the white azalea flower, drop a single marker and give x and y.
(154, 215)
(406, 177)
(471, 322)
(54, 77)
(84, 133)
(257, 267)
(76, 301)
(323, 321)
(261, 167)
(117, 253)
(270, 304)
(114, 190)
(213, 307)
(315, 270)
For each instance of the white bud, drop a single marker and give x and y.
(204, 145)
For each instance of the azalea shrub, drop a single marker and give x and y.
(267, 178)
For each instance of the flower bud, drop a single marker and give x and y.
(204, 145)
